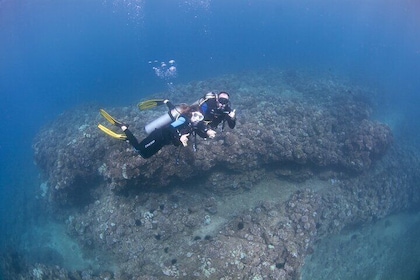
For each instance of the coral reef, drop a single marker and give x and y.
(212, 215)
(276, 129)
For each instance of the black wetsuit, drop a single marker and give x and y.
(169, 134)
(214, 115)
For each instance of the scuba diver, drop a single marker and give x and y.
(175, 127)
(216, 109)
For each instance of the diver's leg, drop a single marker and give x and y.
(133, 141)
(151, 144)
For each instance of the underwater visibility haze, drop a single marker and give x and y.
(324, 159)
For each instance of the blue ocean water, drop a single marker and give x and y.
(55, 55)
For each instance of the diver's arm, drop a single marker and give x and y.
(204, 131)
(179, 131)
(231, 118)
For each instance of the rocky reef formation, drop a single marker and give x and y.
(279, 128)
(213, 214)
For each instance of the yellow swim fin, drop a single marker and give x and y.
(109, 118)
(149, 104)
(112, 133)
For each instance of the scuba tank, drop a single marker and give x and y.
(163, 120)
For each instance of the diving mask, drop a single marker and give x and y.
(223, 101)
(196, 117)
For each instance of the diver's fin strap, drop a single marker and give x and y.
(109, 118)
(112, 133)
(149, 104)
